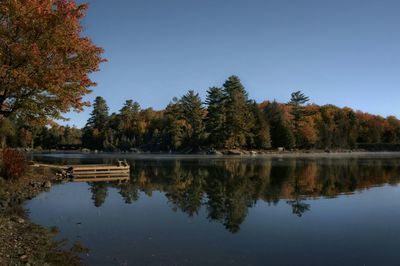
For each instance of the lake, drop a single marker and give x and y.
(341, 209)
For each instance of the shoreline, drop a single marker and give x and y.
(24, 242)
(272, 154)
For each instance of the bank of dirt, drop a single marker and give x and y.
(23, 242)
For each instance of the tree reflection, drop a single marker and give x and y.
(186, 192)
(129, 192)
(227, 188)
(99, 193)
(298, 207)
(304, 179)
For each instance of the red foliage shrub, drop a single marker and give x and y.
(14, 163)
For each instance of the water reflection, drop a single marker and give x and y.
(228, 188)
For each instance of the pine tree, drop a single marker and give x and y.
(95, 129)
(237, 113)
(193, 112)
(174, 127)
(99, 115)
(128, 125)
(281, 134)
(297, 101)
(215, 118)
(260, 132)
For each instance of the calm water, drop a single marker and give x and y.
(332, 210)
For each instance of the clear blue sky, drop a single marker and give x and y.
(344, 52)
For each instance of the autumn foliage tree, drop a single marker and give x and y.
(14, 163)
(45, 61)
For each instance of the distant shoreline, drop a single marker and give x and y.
(245, 154)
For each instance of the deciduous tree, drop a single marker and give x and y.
(45, 60)
(7, 130)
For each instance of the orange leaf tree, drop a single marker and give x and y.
(45, 62)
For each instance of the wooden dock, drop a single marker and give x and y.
(94, 172)
(121, 178)
(98, 170)
(100, 173)
(51, 166)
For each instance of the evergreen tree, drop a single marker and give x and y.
(215, 118)
(237, 114)
(260, 132)
(51, 137)
(153, 126)
(94, 131)
(128, 125)
(297, 101)
(174, 126)
(99, 116)
(193, 112)
(281, 134)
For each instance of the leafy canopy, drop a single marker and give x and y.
(45, 61)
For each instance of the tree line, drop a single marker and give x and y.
(226, 119)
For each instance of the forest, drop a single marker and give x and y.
(225, 119)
